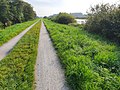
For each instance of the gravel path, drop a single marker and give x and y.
(7, 47)
(48, 72)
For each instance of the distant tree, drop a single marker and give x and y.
(64, 18)
(4, 12)
(15, 11)
(45, 17)
(28, 12)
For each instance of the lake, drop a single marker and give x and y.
(81, 21)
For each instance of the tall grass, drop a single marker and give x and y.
(90, 63)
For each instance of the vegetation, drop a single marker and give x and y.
(77, 25)
(104, 19)
(15, 11)
(90, 63)
(10, 32)
(17, 69)
(64, 18)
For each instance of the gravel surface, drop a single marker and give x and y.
(48, 72)
(7, 47)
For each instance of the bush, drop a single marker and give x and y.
(77, 25)
(8, 23)
(104, 19)
(64, 18)
(1, 25)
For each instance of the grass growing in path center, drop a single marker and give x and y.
(10, 32)
(17, 69)
(90, 63)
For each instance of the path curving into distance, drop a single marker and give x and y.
(48, 72)
(7, 47)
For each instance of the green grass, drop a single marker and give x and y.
(9, 32)
(17, 69)
(90, 63)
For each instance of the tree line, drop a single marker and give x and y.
(15, 11)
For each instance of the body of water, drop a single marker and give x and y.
(81, 21)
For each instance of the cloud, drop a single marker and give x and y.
(46, 3)
(48, 7)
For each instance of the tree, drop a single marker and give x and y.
(64, 18)
(28, 12)
(4, 12)
(15, 11)
(104, 19)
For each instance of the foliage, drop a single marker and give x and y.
(1, 25)
(4, 11)
(64, 18)
(90, 63)
(17, 69)
(10, 32)
(45, 17)
(77, 25)
(104, 19)
(15, 11)
(28, 12)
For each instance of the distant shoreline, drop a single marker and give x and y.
(81, 21)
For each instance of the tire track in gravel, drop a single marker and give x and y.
(48, 72)
(7, 47)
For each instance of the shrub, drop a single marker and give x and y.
(1, 25)
(64, 18)
(77, 25)
(104, 19)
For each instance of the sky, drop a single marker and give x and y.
(50, 7)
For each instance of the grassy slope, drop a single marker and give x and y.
(17, 69)
(90, 63)
(10, 32)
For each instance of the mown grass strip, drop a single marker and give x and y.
(17, 69)
(90, 63)
(10, 32)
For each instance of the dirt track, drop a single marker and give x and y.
(7, 47)
(49, 74)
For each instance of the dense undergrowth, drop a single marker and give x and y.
(9, 32)
(90, 63)
(17, 69)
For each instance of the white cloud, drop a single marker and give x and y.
(48, 7)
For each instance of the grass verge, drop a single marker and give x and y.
(17, 69)
(90, 63)
(10, 32)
